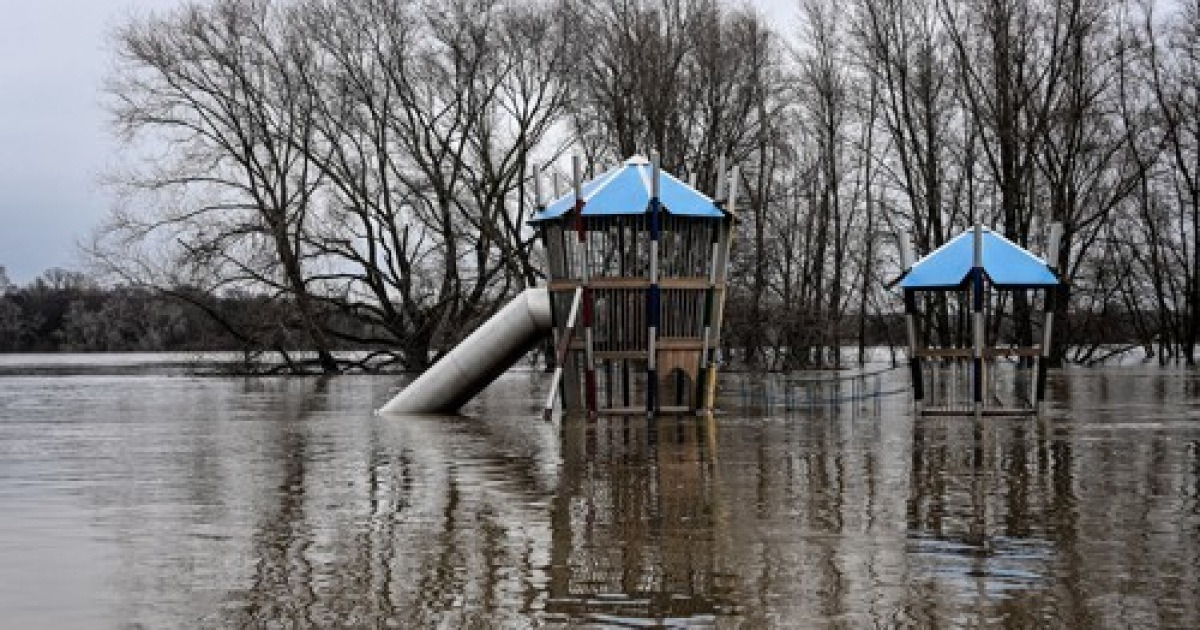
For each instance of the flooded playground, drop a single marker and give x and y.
(147, 501)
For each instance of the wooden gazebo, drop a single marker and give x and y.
(958, 376)
(637, 269)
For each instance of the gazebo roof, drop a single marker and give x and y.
(625, 190)
(1006, 264)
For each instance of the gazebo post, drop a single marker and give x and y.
(722, 263)
(539, 204)
(1052, 246)
(710, 296)
(585, 282)
(719, 193)
(910, 321)
(977, 313)
(653, 308)
(914, 360)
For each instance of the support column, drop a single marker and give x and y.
(589, 359)
(653, 295)
(1052, 246)
(914, 360)
(977, 318)
(557, 330)
(710, 395)
(910, 321)
(710, 296)
(562, 348)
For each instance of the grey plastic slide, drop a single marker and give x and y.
(484, 355)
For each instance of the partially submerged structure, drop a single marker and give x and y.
(637, 274)
(637, 264)
(974, 279)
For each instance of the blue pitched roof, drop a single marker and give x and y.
(626, 190)
(1006, 264)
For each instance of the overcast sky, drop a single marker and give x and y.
(54, 137)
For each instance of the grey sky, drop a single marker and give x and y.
(54, 139)
(54, 142)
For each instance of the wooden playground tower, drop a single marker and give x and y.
(637, 264)
(975, 267)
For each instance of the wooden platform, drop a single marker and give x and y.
(694, 282)
(967, 353)
(641, 411)
(993, 412)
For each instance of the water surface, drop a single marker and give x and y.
(143, 501)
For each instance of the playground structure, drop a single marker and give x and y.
(637, 272)
(637, 265)
(973, 276)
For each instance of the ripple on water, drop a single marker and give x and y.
(142, 501)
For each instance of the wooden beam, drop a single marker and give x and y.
(987, 412)
(564, 346)
(967, 353)
(608, 282)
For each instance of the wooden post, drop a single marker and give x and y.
(539, 205)
(914, 346)
(907, 260)
(537, 189)
(710, 297)
(719, 193)
(710, 389)
(589, 362)
(977, 318)
(906, 252)
(1053, 243)
(653, 295)
(561, 350)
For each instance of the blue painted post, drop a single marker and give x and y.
(977, 314)
(653, 295)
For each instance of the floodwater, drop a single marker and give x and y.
(143, 501)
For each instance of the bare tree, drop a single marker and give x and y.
(217, 85)
(1172, 199)
(362, 160)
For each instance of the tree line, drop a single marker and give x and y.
(367, 164)
(69, 311)
(64, 310)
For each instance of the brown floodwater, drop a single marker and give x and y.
(143, 501)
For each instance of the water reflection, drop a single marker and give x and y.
(227, 503)
(638, 523)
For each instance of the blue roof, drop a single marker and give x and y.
(626, 190)
(1006, 264)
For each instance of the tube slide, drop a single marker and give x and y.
(479, 359)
